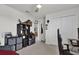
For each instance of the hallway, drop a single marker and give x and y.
(39, 49)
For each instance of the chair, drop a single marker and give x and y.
(60, 46)
(74, 44)
(7, 35)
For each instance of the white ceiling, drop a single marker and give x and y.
(46, 8)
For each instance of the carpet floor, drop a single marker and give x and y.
(39, 49)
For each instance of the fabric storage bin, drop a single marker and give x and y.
(13, 47)
(8, 47)
(11, 40)
(19, 40)
(18, 46)
(4, 47)
(7, 35)
(31, 41)
(25, 42)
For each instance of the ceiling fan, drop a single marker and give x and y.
(37, 8)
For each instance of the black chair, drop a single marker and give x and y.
(7, 35)
(60, 46)
(75, 45)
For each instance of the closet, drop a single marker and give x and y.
(67, 26)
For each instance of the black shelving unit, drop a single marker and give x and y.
(23, 29)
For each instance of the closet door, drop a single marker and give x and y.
(68, 28)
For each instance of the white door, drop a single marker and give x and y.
(51, 32)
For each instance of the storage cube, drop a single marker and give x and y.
(25, 42)
(18, 46)
(8, 47)
(13, 47)
(7, 35)
(31, 41)
(19, 40)
(11, 41)
(4, 47)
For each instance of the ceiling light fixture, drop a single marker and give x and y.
(38, 6)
